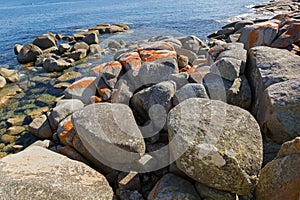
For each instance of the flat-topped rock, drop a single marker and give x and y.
(48, 175)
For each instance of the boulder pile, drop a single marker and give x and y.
(55, 52)
(171, 118)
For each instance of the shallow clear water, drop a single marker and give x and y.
(21, 20)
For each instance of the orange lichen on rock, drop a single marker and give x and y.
(131, 61)
(95, 99)
(72, 154)
(66, 136)
(81, 84)
(101, 68)
(152, 55)
(291, 35)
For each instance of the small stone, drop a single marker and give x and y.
(62, 85)
(69, 76)
(91, 38)
(53, 65)
(15, 130)
(40, 127)
(80, 45)
(129, 181)
(2, 82)
(8, 139)
(78, 54)
(11, 75)
(15, 121)
(63, 48)
(38, 112)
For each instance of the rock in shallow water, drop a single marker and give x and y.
(216, 144)
(37, 173)
(29, 53)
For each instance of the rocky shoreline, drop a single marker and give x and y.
(167, 118)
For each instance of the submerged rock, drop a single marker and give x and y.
(53, 65)
(48, 175)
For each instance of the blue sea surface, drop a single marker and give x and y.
(22, 19)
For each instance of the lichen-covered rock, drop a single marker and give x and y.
(171, 186)
(192, 43)
(63, 109)
(83, 89)
(259, 34)
(37, 173)
(108, 73)
(109, 132)
(45, 41)
(130, 61)
(216, 144)
(281, 176)
(274, 77)
(227, 68)
(29, 53)
(191, 90)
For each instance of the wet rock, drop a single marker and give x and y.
(274, 76)
(63, 109)
(17, 48)
(62, 85)
(82, 89)
(78, 54)
(8, 139)
(45, 41)
(95, 50)
(209, 141)
(281, 175)
(191, 90)
(69, 76)
(259, 34)
(53, 65)
(50, 170)
(40, 127)
(241, 24)
(109, 132)
(2, 82)
(15, 130)
(80, 45)
(11, 75)
(213, 194)
(16, 121)
(28, 53)
(171, 186)
(113, 44)
(91, 38)
(63, 48)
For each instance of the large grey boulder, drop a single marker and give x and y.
(37, 173)
(275, 103)
(237, 92)
(53, 65)
(154, 103)
(171, 186)
(281, 176)
(82, 89)
(227, 68)
(29, 53)
(216, 144)
(45, 41)
(63, 109)
(109, 132)
(191, 90)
